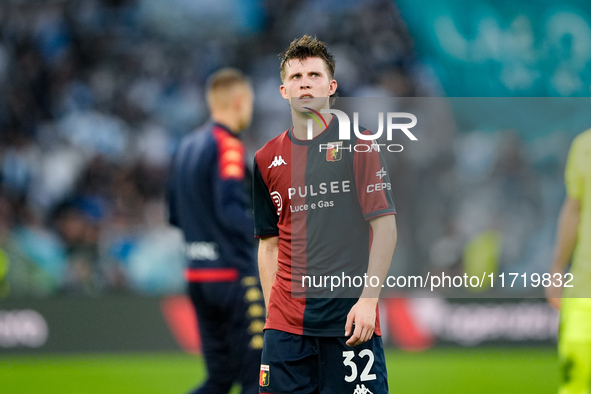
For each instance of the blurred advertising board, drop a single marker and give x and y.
(134, 324)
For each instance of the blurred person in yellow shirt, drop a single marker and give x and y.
(573, 239)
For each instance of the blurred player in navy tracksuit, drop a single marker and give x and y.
(209, 200)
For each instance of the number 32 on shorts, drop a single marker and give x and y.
(348, 356)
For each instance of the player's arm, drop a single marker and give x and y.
(363, 313)
(378, 208)
(229, 188)
(231, 205)
(266, 229)
(566, 238)
(170, 194)
(568, 221)
(267, 255)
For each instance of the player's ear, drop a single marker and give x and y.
(283, 92)
(332, 87)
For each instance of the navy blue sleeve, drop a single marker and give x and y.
(170, 197)
(172, 218)
(232, 205)
(265, 212)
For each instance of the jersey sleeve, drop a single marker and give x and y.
(229, 186)
(265, 214)
(574, 181)
(171, 203)
(170, 193)
(372, 179)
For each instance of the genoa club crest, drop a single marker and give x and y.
(264, 380)
(334, 151)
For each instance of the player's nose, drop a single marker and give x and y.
(305, 83)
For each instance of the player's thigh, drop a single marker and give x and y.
(575, 367)
(214, 304)
(247, 315)
(289, 364)
(245, 335)
(574, 346)
(203, 297)
(575, 319)
(360, 369)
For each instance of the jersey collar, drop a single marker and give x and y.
(224, 127)
(320, 137)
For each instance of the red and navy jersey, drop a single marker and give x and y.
(318, 196)
(209, 200)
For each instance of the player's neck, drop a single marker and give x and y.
(227, 120)
(300, 125)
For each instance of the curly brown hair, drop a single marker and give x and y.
(305, 47)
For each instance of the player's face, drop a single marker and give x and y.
(307, 83)
(244, 106)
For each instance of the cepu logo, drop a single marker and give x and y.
(345, 129)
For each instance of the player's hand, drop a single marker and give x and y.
(363, 314)
(553, 296)
(554, 293)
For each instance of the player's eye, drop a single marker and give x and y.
(315, 74)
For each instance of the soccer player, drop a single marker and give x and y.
(209, 201)
(573, 239)
(316, 202)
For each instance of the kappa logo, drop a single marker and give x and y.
(277, 161)
(381, 173)
(362, 390)
(264, 379)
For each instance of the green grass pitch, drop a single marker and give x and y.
(480, 370)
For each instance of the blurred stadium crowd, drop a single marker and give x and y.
(93, 99)
(94, 95)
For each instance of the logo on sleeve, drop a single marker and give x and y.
(276, 197)
(334, 151)
(277, 161)
(264, 380)
(381, 184)
(232, 171)
(230, 156)
(381, 173)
